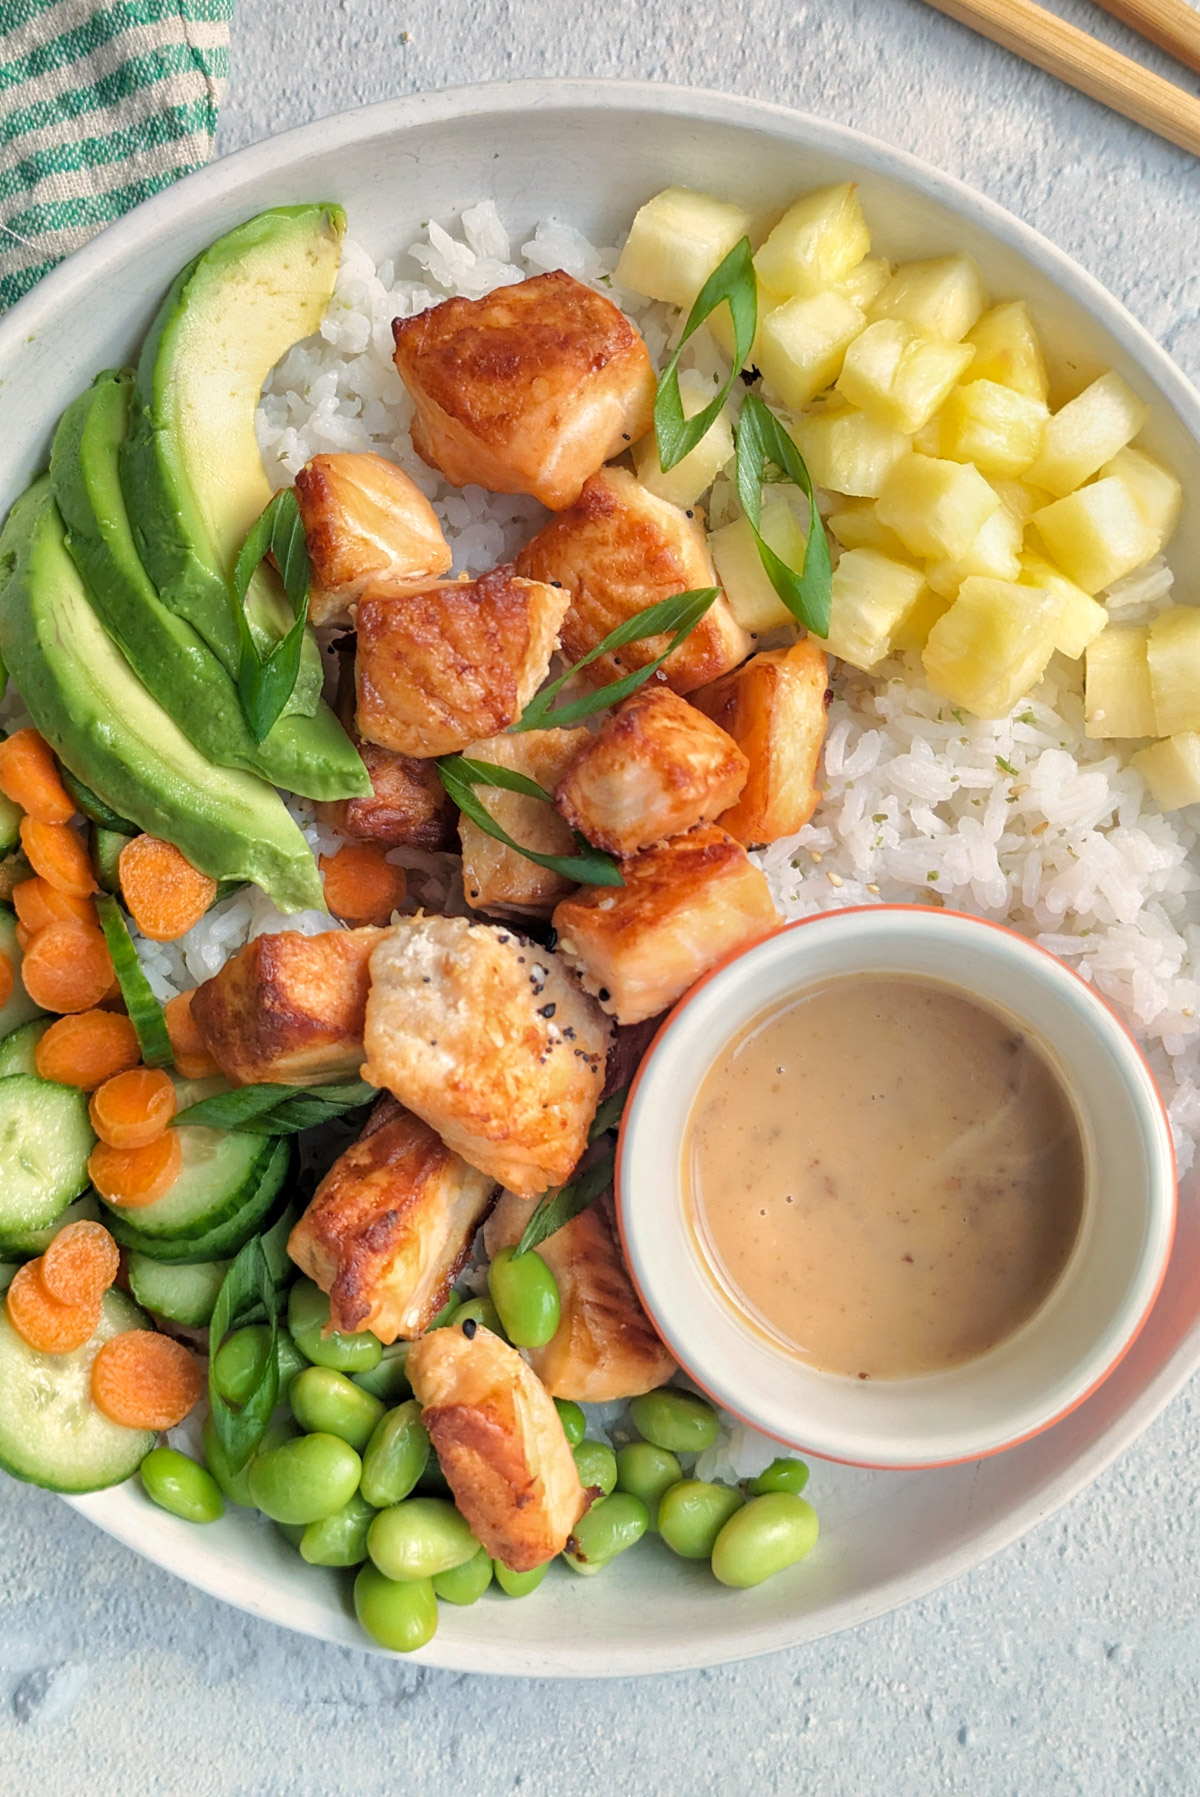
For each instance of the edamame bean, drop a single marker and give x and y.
(420, 1538)
(240, 1360)
(340, 1539)
(518, 1584)
(525, 1292)
(572, 1419)
(395, 1456)
(692, 1514)
(769, 1533)
(292, 1533)
(674, 1419)
(467, 1583)
(447, 1313)
(305, 1479)
(389, 1380)
(325, 1402)
(236, 1486)
(782, 1475)
(402, 1617)
(181, 1485)
(596, 1465)
(606, 1530)
(647, 1472)
(480, 1310)
(308, 1313)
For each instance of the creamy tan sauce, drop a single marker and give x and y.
(884, 1174)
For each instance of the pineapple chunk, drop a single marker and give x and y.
(1087, 432)
(941, 299)
(720, 323)
(928, 440)
(1098, 534)
(995, 553)
(1117, 697)
(1171, 770)
(847, 452)
(1155, 488)
(816, 243)
(683, 484)
(866, 282)
(1022, 500)
(1007, 351)
(992, 646)
(937, 509)
(912, 632)
(996, 428)
(1081, 619)
(871, 597)
(858, 527)
(1173, 656)
(675, 242)
(752, 599)
(802, 344)
(898, 377)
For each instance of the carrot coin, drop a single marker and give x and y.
(163, 893)
(29, 777)
(192, 1059)
(133, 1109)
(59, 855)
(67, 967)
(132, 1177)
(145, 1381)
(80, 1264)
(37, 903)
(361, 885)
(87, 1048)
(40, 1320)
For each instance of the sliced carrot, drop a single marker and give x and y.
(145, 1381)
(7, 979)
(361, 884)
(164, 894)
(67, 967)
(192, 1059)
(132, 1109)
(24, 937)
(40, 1320)
(87, 1048)
(80, 1264)
(37, 903)
(59, 855)
(29, 777)
(131, 1177)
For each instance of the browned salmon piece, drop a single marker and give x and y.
(495, 877)
(774, 708)
(365, 519)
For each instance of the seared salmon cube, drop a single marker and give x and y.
(407, 806)
(775, 709)
(364, 520)
(495, 877)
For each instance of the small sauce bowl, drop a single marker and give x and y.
(1089, 1319)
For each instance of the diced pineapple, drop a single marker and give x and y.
(871, 598)
(752, 599)
(675, 242)
(928, 440)
(866, 282)
(899, 377)
(1173, 656)
(912, 632)
(1118, 701)
(683, 484)
(1171, 770)
(720, 323)
(858, 527)
(1022, 500)
(1098, 534)
(936, 508)
(1155, 488)
(995, 554)
(1081, 619)
(1087, 432)
(942, 298)
(802, 344)
(995, 427)
(1007, 351)
(992, 646)
(816, 243)
(848, 452)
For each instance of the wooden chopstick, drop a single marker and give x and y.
(1049, 42)
(1171, 24)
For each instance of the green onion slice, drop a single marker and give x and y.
(145, 1012)
(765, 452)
(731, 283)
(461, 775)
(265, 681)
(277, 1110)
(561, 1204)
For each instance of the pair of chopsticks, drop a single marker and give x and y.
(1063, 50)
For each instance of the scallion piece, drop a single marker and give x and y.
(265, 680)
(732, 283)
(460, 776)
(764, 445)
(277, 1110)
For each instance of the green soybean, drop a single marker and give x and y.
(308, 1313)
(674, 1419)
(596, 1465)
(305, 1479)
(420, 1538)
(518, 1584)
(572, 1419)
(395, 1456)
(767, 1535)
(181, 1485)
(692, 1514)
(647, 1472)
(240, 1360)
(292, 1533)
(236, 1486)
(325, 1402)
(606, 1530)
(525, 1292)
(340, 1539)
(400, 1617)
(389, 1380)
(467, 1583)
(480, 1310)
(781, 1475)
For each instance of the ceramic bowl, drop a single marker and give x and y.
(1091, 1315)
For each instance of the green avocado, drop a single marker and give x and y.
(106, 728)
(313, 756)
(191, 469)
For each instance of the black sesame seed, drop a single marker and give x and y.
(556, 583)
(690, 513)
(604, 995)
(547, 1010)
(469, 1328)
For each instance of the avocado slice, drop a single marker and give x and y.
(313, 756)
(191, 469)
(98, 717)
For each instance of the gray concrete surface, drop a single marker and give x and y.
(1068, 1664)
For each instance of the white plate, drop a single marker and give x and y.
(592, 152)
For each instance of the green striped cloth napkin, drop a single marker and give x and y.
(102, 102)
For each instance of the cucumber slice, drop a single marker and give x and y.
(51, 1433)
(181, 1294)
(220, 1172)
(106, 846)
(45, 1140)
(223, 1240)
(145, 1012)
(94, 808)
(17, 1048)
(20, 1007)
(25, 1243)
(7, 1269)
(10, 825)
